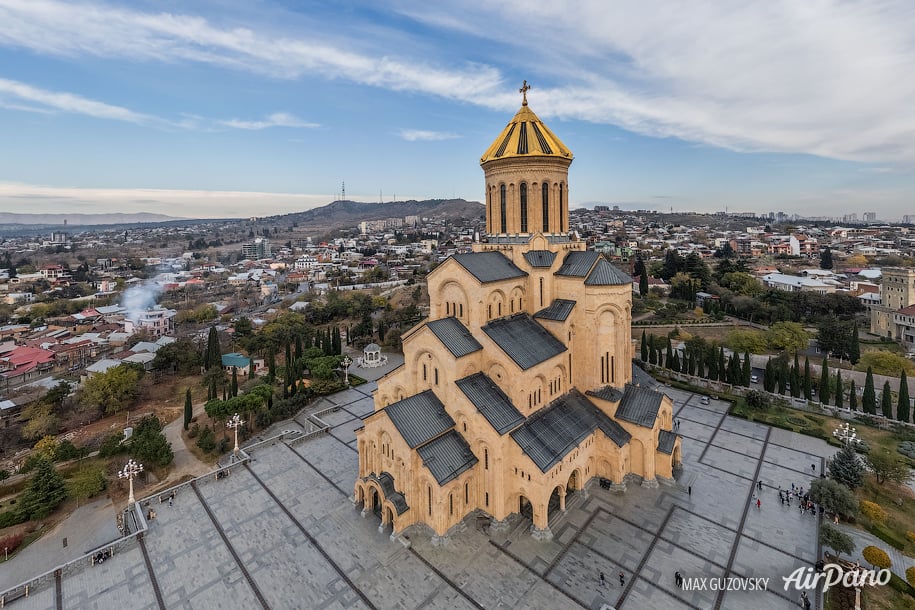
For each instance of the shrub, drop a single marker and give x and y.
(877, 557)
(873, 511)
(193, 431)
(10, 517)
(800, 422)
(111, 445)
(910, 575)
(206, 441)
(223, 445)
(11, 542)
(887, 535)
(902, 586)
(4, 474)
(910, 536)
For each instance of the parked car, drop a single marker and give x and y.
(754, 379)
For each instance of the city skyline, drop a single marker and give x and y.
(228, 109)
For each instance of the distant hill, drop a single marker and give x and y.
(116, 218)
(349, 213)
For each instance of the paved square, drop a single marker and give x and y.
(282, 532)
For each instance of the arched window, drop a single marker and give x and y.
(429, 492)
(502, 211)
(562, 211)
(461, 310)
(466, 493)
(541, 285)
(545, 191)
(492, 212)
(524, 207)
(486, 459)
(450, 504)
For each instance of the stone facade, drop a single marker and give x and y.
(897, 291)
(517, 389)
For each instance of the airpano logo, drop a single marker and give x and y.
(832, 575)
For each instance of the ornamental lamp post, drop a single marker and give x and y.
(345, 363)
(130, 472)
(846, 433)
(235, 422)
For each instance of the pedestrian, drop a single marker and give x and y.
(805, 601)
(171, 502)
(792, 487)
(759, 485)
(689, 491)
(813, 467)
(678, 579)
(602, 582)
(758, 504)
(622, 580)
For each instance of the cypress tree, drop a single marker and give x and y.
(869, 398)
(271, 365)
(795, 379)
(338, 342)
(288, 363)
(234, 381)
(691, 365)
(722, 370)
(712, 365)
(700, 366)
(886, 400)
(644, 347)
(768, 377)
(823, 390)
(213, 356)
(839, 396)
(225, 395)
(652, 354)
(854, 350)
(643, 284)
(675, 362)
(669, 355)
(808, 389)
(251, 368)
(782, 379)
(214, 393)
(188, 409)
(902, 407)
(852, 396)
(747, 371)
(298, 347)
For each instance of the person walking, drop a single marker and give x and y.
(689, 491)
(678, 579)
(622, 580)
(758, 504)
(602, 581)
(813, 467)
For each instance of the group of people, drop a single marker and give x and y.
(603, 580)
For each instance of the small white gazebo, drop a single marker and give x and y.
(372, 357)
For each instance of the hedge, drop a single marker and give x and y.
(877, 557)
(873, 511)
(887, 535)
(902, 586)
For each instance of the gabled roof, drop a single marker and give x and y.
(551, 433)
(540, 258)
(386, 481)
(666, 441)
(489, 266)
(491, 402)
(447, 456)
(605, 274)
(639, 405)
(608, 393)
(419, 418)
(524, 340)
(454, 336)
(559, 310)
(578, 263)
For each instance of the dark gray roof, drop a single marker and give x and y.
(447, 456)
(540, 258)
(551, 433)
(489, 266)
(455, 336)
(640, 377)
(639, 405)
(578, 263)
(666, 441)
(559, 309)
(524, 340)
(605, 274)
(491, 402)
(386, 481)
(419, 418)
(608, 392)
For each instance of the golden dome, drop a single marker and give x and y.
(526, 136)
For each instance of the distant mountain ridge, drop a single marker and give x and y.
(115, 218)
(348, 213)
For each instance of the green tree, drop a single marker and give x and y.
(808, 386)
(902, 406)
(752, 341)
(839, 391)
(234, 381)
(885, 363)
(834, 497)
(87, 483)
(213, 355)
(747, 370)
(854, 348)
(887, 467)
(869, 397)
(188, 408)
(149, 445)
(40, 420)
(846, 468)
(826, 258)
(180, 356)
(788, 336)
(836, 539)
(644, 347)
(643, 283)
(877, 557)
(886, 400)
(824, 388)
(45, 492)
(113, 390)
(852, 396)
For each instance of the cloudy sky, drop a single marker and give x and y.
(254, 107)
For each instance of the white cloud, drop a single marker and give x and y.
(422, 135)
(62, 102)
(277, 119)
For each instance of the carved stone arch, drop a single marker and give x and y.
(516, 299)
(399, 393)
(425, 358)
(452, 293)
(497, 373)
(496, 304)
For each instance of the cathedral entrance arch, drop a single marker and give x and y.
(525, 508)
(637, 457)
(676, 457)
(574, 483)
(360, 496)
(374, 502)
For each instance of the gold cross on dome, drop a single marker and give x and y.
(523, 91)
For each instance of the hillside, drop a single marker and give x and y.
(340, 214)
(114, 218)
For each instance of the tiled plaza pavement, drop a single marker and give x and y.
(282, 532)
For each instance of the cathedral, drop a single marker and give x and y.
(517, 390)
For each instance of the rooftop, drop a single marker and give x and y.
(419, 418)
(524, 340)
(491, 402)
(454, 336)
(489, 266)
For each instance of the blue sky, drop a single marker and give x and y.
(238, 108)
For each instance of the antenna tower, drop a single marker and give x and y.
(344, 190)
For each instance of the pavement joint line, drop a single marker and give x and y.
(734, 451)
(807, 453)
(321, 474)
(524, 565)
(743, 518)
(566, 548)
(775, 548)
(817, 596)
(733, 474)
(58, 590)
(717, 428)
(802, 472)
(313, 541)
(774, 591)
(644, 560)
(685, 402)
(445, 578)
(341, 441)
(666, 590)
(225, 540)
(152, 574)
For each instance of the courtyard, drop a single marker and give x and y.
(282, 532)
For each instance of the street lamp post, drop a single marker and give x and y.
(846, 433)
(130, 471)
(345, 363)
(235, 422)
